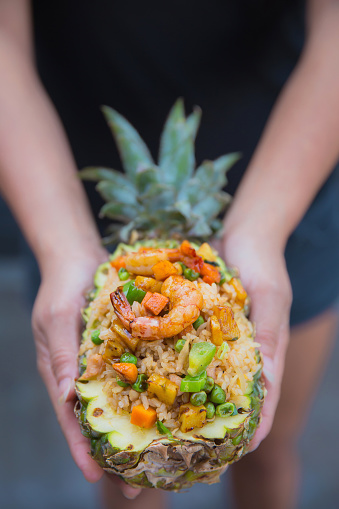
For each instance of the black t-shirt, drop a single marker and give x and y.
(230, 58)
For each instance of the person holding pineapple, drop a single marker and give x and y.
(285, 177)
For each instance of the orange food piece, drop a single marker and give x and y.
(146, 298)
(217, 336)
(162, 270)
(241, 293)
(128, 372)
(155, 303)
(228, 324)
(210, 271)
(187, 249)
(118, 263)
(208, 280)
(143, 418)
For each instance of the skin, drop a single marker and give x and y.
(294, 157)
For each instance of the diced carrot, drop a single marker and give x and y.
(241, 293)
(211, 271)
(146, 298)
(143, 418)
(155, 303)
(187, 249)
(127, 371)
(162, 270)
(208, 280)
(118, 263)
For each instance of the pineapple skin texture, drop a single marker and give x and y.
(175, 465)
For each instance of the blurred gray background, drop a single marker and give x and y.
(36, 469)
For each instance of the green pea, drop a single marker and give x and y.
(179, 345)
(129, 358)
(123, 274)
(225, 409)
(198, 398)
(95, 337)
(140, 384)
(210, 410)
(191, 274)
(183, 266)
(209, 384)
(122, 384)
(199, 321)
(217, 395)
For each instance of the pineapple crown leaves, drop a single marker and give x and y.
(169, 198)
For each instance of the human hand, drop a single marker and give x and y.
(260, 260)
(57, 327)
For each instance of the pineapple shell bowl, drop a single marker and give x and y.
(170, 388)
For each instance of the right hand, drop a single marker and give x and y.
(57, 327)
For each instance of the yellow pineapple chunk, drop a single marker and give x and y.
(148, 284)
(161, 387)
(191, 417)
(130, 341)
(228, 324)
(206, 252)
(163, 269)
(217, 338)
(239, 289)
(113, 351)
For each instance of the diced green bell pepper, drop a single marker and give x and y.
(193, 383)
(200, 356)
(133, 293)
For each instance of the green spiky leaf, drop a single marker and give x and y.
(111, 191)
(119, 211)
(133, 150)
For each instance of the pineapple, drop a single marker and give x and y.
(158, 206)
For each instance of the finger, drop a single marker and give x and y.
(127, 490)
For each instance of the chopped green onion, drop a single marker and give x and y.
(210, 410)
(193, 383)
(217, 395)
(123, 274)
(163, 430)
(198, 398)
(191, 274)
(223, 350)
(122, 384)
(133, 293)
(199, 321)
(129, 358)
(95, 337)
(200, 356)
(179, 345)
(140, 384)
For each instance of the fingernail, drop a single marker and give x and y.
(131, 493)
(64, 390)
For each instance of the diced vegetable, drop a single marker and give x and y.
(146, 298)
(206, 252)
(130, 341)
(133, 293)
(191, 417)
(128, 372)
(113, 351)
(123, 274)
(225, 409)
(223, 351)
(161, 387)
(200, 356)
(217, 395)
(129, 357)
(191, 274)
(156, 303)
(210, 271)
(140, 384)
(210, 410)
(217, 337)
(95, 337)
(143, 418)
(122, 384)
(119, 262)
(148, 284)
(209, 384)
(199, 321)
(241, 293)
(229, 326)
(193, 383)
(179, 345)
(162, 270)
(198, 398)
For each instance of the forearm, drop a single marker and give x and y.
(300, 144)
(37, 171)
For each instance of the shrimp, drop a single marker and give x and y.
(142, 262)
(185, 302)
